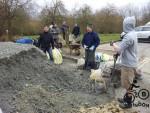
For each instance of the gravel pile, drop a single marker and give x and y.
(8, 49)
(30, 84)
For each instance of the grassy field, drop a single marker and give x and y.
(104, 37)
(33, 36)
(109, 37)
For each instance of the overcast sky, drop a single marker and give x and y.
(96, 4)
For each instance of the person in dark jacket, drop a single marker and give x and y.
(55, 32)
(64, 30)
(76, 31)
(90, 42)
(46, 42)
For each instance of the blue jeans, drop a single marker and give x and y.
(49, 50)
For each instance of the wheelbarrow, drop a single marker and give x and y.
(76, 48)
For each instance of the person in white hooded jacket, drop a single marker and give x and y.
(128, 54)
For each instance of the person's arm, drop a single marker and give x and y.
(116, 47)
(125, 43)
(97, 40)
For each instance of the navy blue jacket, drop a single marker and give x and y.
(91, 39)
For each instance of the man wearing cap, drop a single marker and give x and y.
(90, 42)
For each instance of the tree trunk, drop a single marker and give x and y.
(9, 26)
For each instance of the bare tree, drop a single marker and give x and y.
(54, 12)
(108, 20)
(84, 16)
(130, 10)
(146, 14)
(9, 9)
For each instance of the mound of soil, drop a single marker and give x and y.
(30, 84)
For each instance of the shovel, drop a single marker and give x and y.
(112, 85)
(112, 75)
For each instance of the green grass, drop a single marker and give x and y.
(109, 37)
(104, 37)
(33, 36)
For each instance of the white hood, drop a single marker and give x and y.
(129, 24)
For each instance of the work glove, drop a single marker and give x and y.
(92, 48)
(85, 47)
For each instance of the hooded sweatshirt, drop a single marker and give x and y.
(128, 46)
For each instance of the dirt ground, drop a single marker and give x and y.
(143, 53)
(29, 83)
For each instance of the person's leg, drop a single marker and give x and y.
(127, 77)
(49, 50)
(78, 39)
(89, 59)
(86, 59)
(138, 74)
(43, 49)
(92, 59)
(64, 35)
